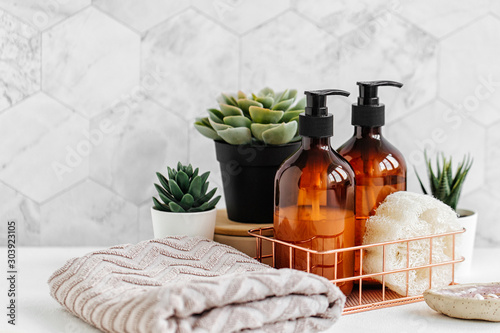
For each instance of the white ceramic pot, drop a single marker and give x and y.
(465, 246)
(189, 224)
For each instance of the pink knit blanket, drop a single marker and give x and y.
(191, 284)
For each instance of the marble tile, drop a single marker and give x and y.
(88, 214)
(145, 222)
(19, 60)
(341, 16)
(488, 209)
(202, 155)
(24, 212)
(198, 58)
(434, 127)
(43, 13)
(440, 18)
(288, 52)
(44, 147)
(144, 14)
(391, 49)
(143, 138)
(89, 61)
(241, 15)
(493, 159)
(469, 75)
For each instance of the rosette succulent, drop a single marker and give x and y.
(184, 191)
(268, 117)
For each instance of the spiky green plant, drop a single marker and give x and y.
(268, 117)
(444, 185)
(184, 191)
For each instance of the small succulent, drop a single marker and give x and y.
(184, 191)
(268, 117)
(444, 185)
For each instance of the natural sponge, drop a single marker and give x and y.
(405, 215)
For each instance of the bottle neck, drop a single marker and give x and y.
(368, 132)
(318, 143)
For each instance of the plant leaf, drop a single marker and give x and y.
(218, 127)
(229, 99)
(420, 181)
(301, 105)
(182, 179)
(206, 131)
(163, 180)
(266, 92)
(290, 115)
(175, 190)
(283, 105)
(266, 102)
(280, 134)
(215, 115)
(195, 187)
(229, 110)
(187, 201)
(175, 207)
(204, 177)
(241, 95)
(258, 129)
(237, 121)
(264, 116)
(159, 206)
(236, 136)
(244, 104)
(205, 198)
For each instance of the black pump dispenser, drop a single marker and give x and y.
(317, 122)
(368, 112)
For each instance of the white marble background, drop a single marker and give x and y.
(106, 91)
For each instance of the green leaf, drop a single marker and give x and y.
(244, 104)
(187, 201)
(204, 177)
(258, 129)
(159, 206)
(292, 93)
(175, 189)
(266, 92)
(195, 173)
(236, 136)
(283, 105)
(206, 131)
(179, 166)
(290, 115)
(215, 115)
(165, 199)
(281, 96)
(163, 192)
(182, 179)
(205, 198)
(171, 173)
(301, 104)
(189, 170)
(211, 204)
(162, 179)
(195, 187)
(265, 116)
(175, 207)
(218, 127)
(229, 110)
(266, 102)
(229, 100)
(237, 121)
(420, 181)
(204, 188)
(241, 95)
(280, 134)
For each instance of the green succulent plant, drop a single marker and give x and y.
(268, 117)
(184, 191)
(444, 185)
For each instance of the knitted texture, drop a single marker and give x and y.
(191, 284)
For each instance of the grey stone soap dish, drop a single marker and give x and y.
(467, 301)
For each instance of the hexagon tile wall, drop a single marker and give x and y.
(97, 96)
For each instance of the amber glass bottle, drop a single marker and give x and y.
(314, 198)
(379, 167)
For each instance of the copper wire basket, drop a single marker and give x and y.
(362, 298)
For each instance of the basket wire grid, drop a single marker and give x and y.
(362, 298)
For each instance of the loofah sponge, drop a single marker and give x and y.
(405, 215)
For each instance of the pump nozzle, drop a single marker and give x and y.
(368, 111)
(316, 101)
(317, 122)
(368, 91)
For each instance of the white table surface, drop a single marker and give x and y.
(39, 313)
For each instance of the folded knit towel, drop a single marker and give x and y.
(191, 284)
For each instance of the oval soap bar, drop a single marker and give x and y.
(467, 301)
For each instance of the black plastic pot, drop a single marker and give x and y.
(248, 179)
